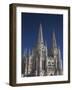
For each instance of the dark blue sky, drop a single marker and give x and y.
(50, 23)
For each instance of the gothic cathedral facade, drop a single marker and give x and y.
(41, 61)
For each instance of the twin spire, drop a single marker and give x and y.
(40, 37)
(41, 41)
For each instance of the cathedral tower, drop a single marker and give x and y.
(60, 62)
(54, 44)
(40, 46)
(55, 52)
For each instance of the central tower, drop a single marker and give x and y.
(41, 50)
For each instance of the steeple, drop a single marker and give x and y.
(54, 44)
(40, 45)
(46, 48)
(29, 52)
(40, 35)
(29, 62)
(60, 61)
(25, 53)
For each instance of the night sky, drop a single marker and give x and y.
(50, 23)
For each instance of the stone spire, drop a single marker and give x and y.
(29, 62)
(46, 48)
(40, 46)
(54, 44)
(40, 35)
(55, 52)
(26, 62)
(25, 52)
(46, 58)
(29, 52)
(60, 62)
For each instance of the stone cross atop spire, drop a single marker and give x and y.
(40, 35)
